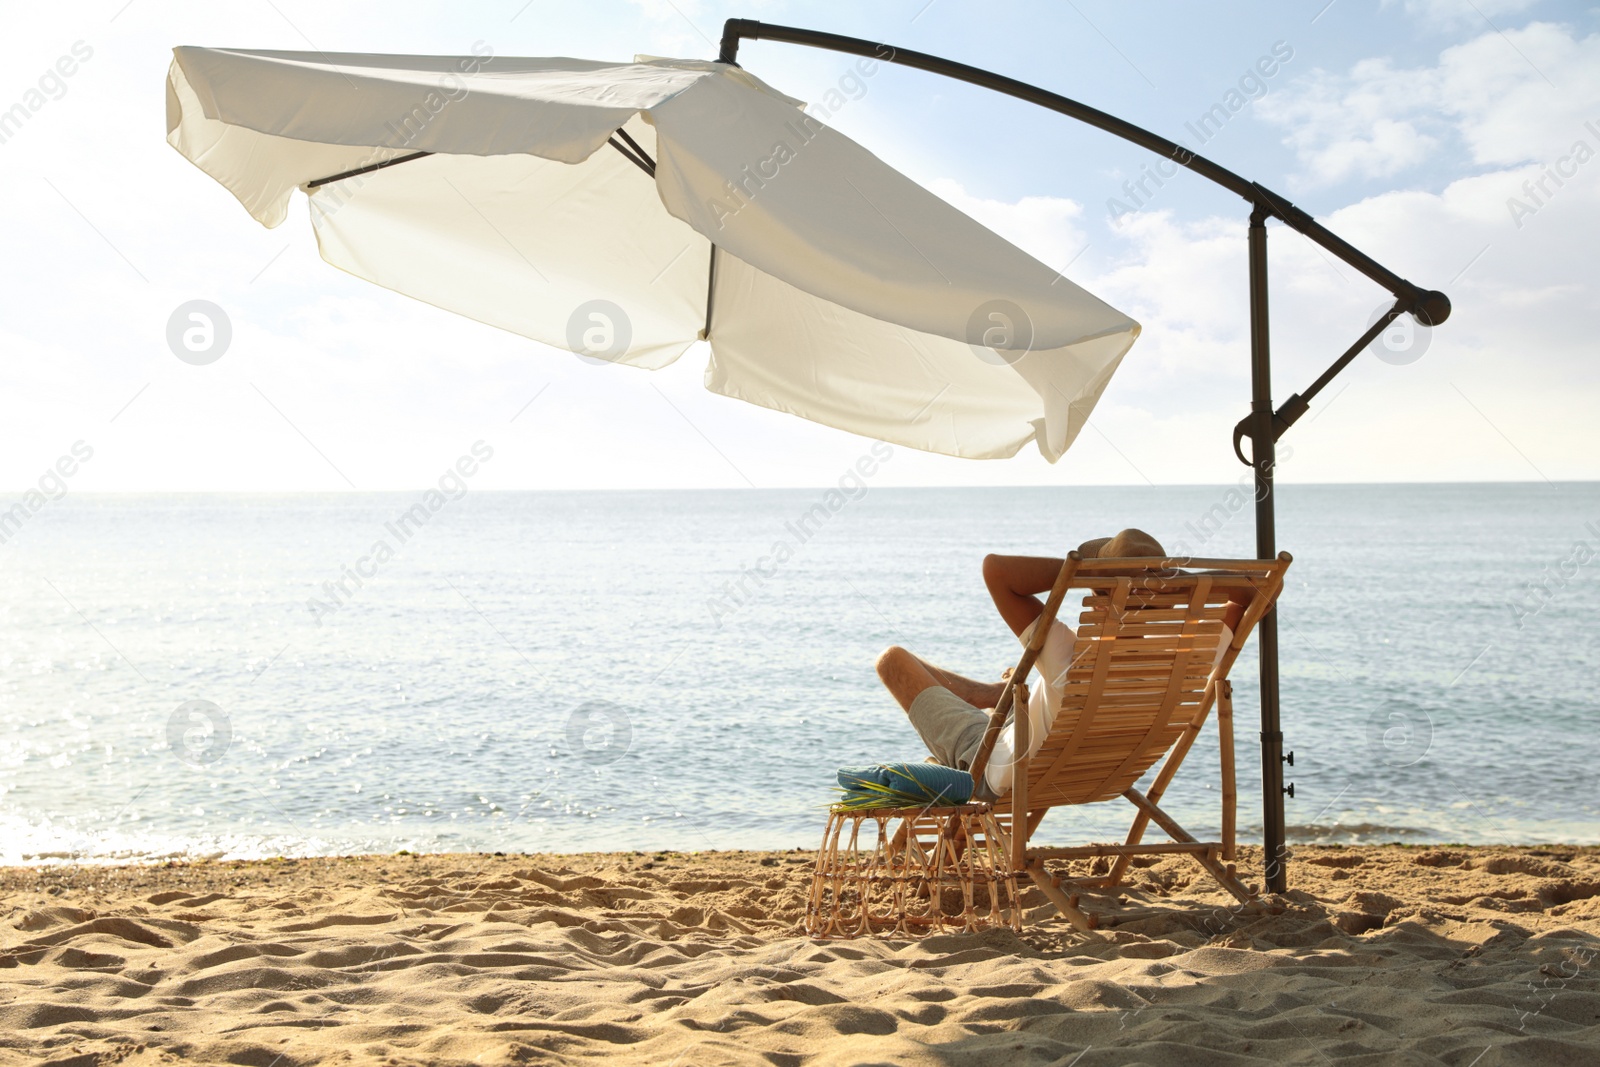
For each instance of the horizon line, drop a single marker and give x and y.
(786, 488)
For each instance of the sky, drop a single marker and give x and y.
(1453, 140)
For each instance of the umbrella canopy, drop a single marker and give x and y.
(624, 211)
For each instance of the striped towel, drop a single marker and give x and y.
(903, 785)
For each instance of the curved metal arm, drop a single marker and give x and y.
(1298, 404)
(1430, 306)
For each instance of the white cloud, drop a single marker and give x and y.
(1521, 97)
(1344, 126)
(1505, 99)
(1392, 147)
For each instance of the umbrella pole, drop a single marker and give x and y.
(1263, 452)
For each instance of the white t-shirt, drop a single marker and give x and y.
(1044, 699)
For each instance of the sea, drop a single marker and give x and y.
(239, 676)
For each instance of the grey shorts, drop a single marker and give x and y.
(950, 727)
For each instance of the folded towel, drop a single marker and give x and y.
(903, 785)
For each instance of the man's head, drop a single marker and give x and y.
(1123, 544)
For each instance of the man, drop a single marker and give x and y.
(951, 712)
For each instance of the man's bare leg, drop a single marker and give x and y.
(978, 694)
(907, 675)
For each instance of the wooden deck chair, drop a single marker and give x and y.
(1143, 680)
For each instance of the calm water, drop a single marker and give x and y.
(569, 671)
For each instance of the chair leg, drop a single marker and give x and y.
(1225, 874)
(1210, 862)
(1222, 695)
(1046, 882)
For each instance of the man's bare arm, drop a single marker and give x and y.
(1013, 582)
(1238, 601)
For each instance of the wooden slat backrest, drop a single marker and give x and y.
(1143, 666)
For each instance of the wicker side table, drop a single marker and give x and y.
(911, 872)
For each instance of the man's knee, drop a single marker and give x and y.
(892, 661)
(903, 675)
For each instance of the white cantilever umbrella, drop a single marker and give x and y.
(627, 210)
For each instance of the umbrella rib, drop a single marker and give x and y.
(368, 169)
(711, 293)
(643, 164)
(638, 156)
(638, 149)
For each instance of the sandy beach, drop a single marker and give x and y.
(1417, 955)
